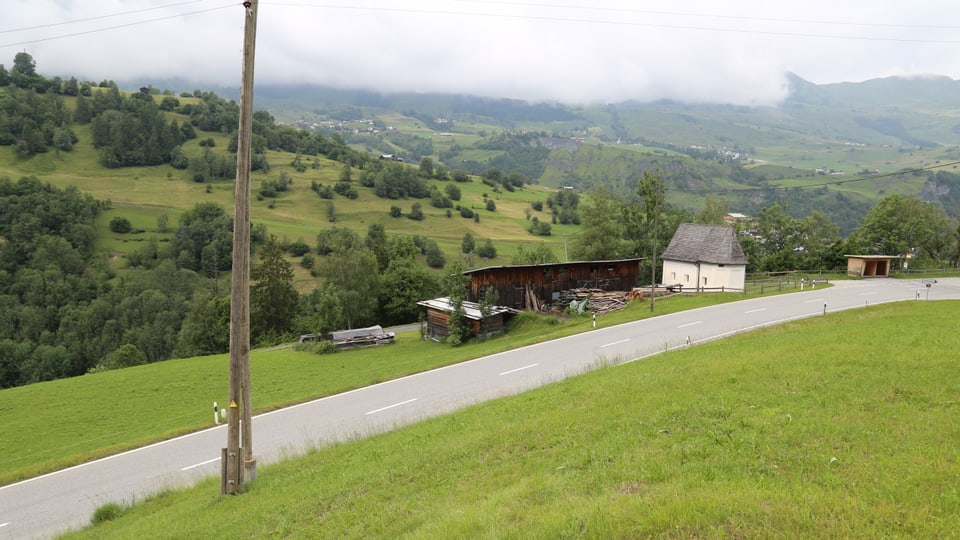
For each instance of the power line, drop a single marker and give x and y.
(547, 18)
(106, 28)
(822, 184)
(62, 23)
(552, 18)
(522, 4)
(715, 15)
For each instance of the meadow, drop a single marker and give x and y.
(834, 427)
(59, 423)
(142, 194)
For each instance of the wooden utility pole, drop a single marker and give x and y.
(653, 266)
(238, 460)
(651, 187)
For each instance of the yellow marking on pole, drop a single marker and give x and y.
(233, 405)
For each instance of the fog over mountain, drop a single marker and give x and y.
(605, 52)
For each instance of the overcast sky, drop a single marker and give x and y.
(733, 51)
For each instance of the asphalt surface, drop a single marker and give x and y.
(48, 505)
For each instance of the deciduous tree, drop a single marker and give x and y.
(898, 224)
(602, 234)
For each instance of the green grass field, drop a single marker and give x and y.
(841, 426)
(68, 421)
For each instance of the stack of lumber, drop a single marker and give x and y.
(361, 337)
(530, 299)
(599, 301)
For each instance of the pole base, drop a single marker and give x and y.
(250, 470)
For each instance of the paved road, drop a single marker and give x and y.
(50, 504)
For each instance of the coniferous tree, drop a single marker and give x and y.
(273, 299)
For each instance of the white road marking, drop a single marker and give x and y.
(381, 409)
(200, 464)
(812, 301)
(2, 525)
(520, 369)
(615, 343)
(756, 310)
(867, 293)
(690, 324)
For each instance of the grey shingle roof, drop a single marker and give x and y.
(714, 244)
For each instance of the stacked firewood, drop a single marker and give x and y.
(598, 301)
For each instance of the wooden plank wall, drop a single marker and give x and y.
(514, 283)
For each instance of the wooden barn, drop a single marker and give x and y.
(529, 287)
(439, 311)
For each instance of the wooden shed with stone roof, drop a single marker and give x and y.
(705, 258)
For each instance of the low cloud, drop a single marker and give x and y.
(538, 52)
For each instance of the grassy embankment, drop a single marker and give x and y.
(840, 426)
(58, 423)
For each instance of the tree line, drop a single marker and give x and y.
(64, 311)
(616, 226)
(134, 130)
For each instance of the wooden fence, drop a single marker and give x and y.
(765, 282)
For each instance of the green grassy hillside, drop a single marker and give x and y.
(840, 426)
(857, 130)
(142, 194)
(885, 125)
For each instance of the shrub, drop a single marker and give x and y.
(316, 347)
(307, 261)
(416, 212)
(120, 225)
(268, 188)
(179, 160)
(345, 189)
(487, 251)
(298, 248)
(435, 258)
(107, 512)
(539, 228)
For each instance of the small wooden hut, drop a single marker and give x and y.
(439, 311)
(869, 265)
